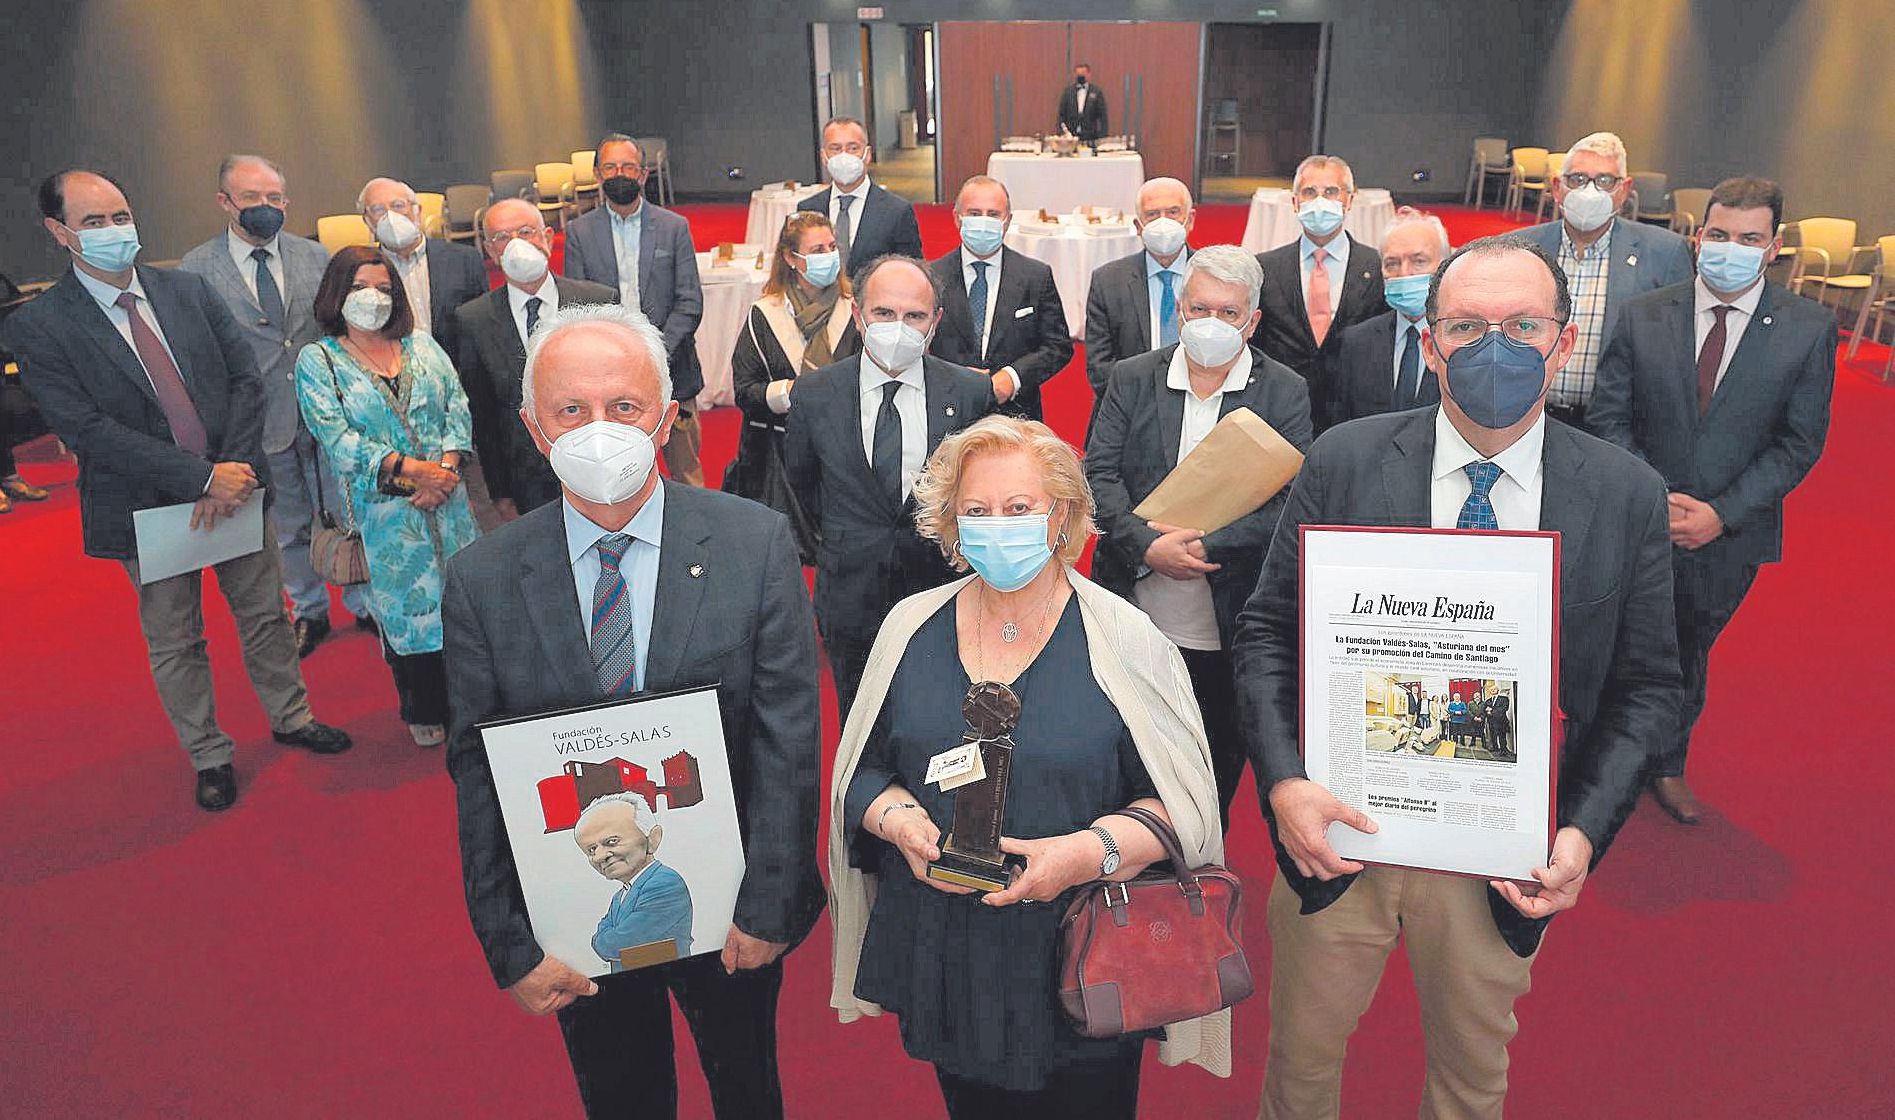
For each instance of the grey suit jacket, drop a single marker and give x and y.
(668, 289)
(886, 225)
(1768, 418)
(731, 610)
(1618, 647)
(275, 344)
(1643, 258)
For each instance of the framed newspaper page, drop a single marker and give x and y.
(623, 826)
(1430, 681)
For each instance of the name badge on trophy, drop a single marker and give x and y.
(970, 853)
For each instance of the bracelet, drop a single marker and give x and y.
(451, 468)
(883, 819)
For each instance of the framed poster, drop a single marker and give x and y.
(623, 826)
(1430, 681)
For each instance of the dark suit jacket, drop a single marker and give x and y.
(492, 362)
(93, 391)
(1086, 125)
(456, 274)
(516, 645)
(1118, 317)
(669, 292)
(1134, 446)
(1643, 258)
(1767, 420)
(1028, 331)
(1618, 648)
(1364, 380)
(886, 224)
(871, 556)
(1284, 333)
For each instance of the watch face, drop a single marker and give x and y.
(1110, 863)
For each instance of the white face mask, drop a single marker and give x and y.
(1163, 237)
(1588, 208)
(604, 461)
(1210, 341)
(894, 346)
(368, 309)
(397, 231)
(845, 168)
(523, 262)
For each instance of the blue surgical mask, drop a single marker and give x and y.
(982, 234)
(108, 248)
(1007, 552)
(1729, 267)
(1408, 294)
(1496, 380)
(821, 269)
(1320, 216)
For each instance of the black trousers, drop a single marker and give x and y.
(1707, 591)
(621, 1048)
(8, 468)
(1106, 1090)
(421, 683)
(1215, 686)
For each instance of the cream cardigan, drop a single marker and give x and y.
(1144, 677)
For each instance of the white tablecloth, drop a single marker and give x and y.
(768, 211)
(1273, 218)
(728, 293)
(1073, 253)
(1062, 184)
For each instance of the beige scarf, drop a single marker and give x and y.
(1144, 677)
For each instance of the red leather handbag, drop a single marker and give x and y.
(1161, 948)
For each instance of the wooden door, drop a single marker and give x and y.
(1031, 55)
(1166, 56)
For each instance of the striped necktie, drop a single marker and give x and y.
(614, 650)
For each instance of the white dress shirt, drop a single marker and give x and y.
(911, 404)
(1336, 264)
(548, 295)
(413, 269)
(1182, 609)
(639, 566)
(107, 296)
(860, 194)
(627, 233)
(1735, 321)
(1515, 494)
(240, 251)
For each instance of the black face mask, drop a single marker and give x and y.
(1079, 79)
(261, 221)
(622, 189)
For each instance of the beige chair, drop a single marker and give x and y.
(433, 213)
(553, 183)
(339, 231)
(1688, 205)
(1489, 158)
(585, 178)
(1877, 299)
(656, 154)
(1528, 174)
(1826, 253)
(465, 203)
(1555, 167)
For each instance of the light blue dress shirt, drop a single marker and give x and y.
(1336, 264)
(625, 237)
(1155, 290)
(639, 567)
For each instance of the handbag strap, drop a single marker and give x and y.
(322, 505)
(1168, 839)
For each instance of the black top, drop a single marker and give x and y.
(976, 987)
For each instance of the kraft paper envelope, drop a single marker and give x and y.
(1240, 465)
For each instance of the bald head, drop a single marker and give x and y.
(1164, 197)
(382, 192)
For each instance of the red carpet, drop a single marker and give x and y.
(308, 955)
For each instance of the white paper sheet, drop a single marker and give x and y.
(168, 546)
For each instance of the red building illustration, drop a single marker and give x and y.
(565, 795)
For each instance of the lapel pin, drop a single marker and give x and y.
(1632, 260)
(949, 410)
(697, 571)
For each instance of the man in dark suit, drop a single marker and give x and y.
(1491, 460)
(632, 583)
(439, 275)
(1000, 310)
(146, 377)
(1319, 285)
(1607, 260)
(1132, 302)
(1378, 362)
(1082, 106)
(859, 435)
(869, 222)
(645, 251)
(493, 330)
(1723, 384)
(1160, 406)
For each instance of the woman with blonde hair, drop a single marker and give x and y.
(1106, 720)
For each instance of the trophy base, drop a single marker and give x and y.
(965, 870)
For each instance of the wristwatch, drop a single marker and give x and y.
(1110, 863)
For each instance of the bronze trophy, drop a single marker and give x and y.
(970, 853)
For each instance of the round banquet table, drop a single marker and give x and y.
(1273, 218)
(729, 291)
(1061, 184)
(770, 207)
(1073, 249)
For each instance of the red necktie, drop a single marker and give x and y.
(1710, 357)
(1319, 309)
(187, 427)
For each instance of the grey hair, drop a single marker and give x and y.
(618, 138)
(612, 314)
(1409, 216)
(1318, 161)
(1605, 144)
(237, 159)
(1168, 182)
(361, 196)
(641, 812)
(1231, 264)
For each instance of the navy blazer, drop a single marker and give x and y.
(1618, 647)
(1028, 331)
(886, 224)
(1768, 418)
(1364, 380)
(669, 292)
(1643, 258)
(731, 610)
(456, 274)
(1284, 333)
(93, 391)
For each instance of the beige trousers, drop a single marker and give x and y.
(684, 449)
(1326, 966)
(171, 613)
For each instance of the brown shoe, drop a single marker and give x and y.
(1676, 798)
(5, 505)
(13, 486)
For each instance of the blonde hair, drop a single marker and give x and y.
(787, 240)
(1060, 472)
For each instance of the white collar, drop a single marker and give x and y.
(105, 293)
(1178, 374)
(240, 249)
(633, 881)
(646, 525)
(861, 189)
(1522, 461)
(1746, 303)
(548, 295)
(873, 378)
(1338, 248)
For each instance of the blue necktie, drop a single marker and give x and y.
(269, 298)
(1409, 383)
(614, 650)
(533, 306)
(977, 303)
(1167, 310)
(1478, 511)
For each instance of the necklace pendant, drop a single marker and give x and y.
(1009, 632)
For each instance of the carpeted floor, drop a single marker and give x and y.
(307, 954)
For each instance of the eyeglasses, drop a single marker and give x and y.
(1605, 180)
(251, 198)
(1333, 194)
(1529, 330)
(852, 147)
(399, 206)
(608, 170)
(498, 237)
